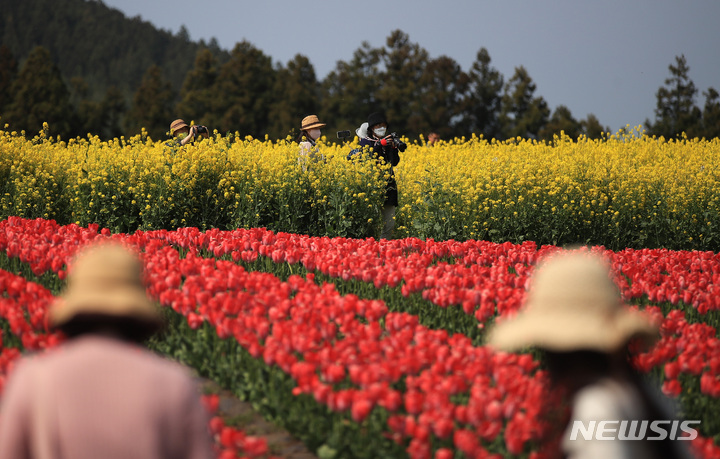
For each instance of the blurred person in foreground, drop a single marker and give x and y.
(575, 314)
(386, 147)
(100, 394)
(183, 134)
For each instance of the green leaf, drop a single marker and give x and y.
(325, 452)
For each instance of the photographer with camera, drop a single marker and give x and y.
(179, 128)
(385, 147)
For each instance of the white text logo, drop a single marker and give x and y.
(634, 430)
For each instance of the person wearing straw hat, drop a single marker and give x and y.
(309, 134)
(575, 314)
(100, 394)
(433, 138)
(183, 134)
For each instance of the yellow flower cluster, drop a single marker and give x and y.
(626, 190)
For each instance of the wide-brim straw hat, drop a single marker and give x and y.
(106, 279)
(177, 125)
(310, 122)
(573, 304)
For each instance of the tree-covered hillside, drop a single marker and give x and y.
(99, 44)
(85, 68)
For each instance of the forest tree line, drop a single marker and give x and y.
(244, 91)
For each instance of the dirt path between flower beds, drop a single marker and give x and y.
(243, 416)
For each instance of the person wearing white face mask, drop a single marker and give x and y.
(309, 134)
(384, 147)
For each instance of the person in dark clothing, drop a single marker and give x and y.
(384, 147)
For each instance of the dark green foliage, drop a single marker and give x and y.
(198, 91)
(399, 95)
(676, 111)
(481, 105)
(8, 73)
(442, 86)
(349, 90)
(296, 95)
(112, 108)
(243, 92)
(98, 43)
(102, 118)
(592, 128)
(561, 120)
(711, 115)
(39, 95)
(521, 113)
(152, 106)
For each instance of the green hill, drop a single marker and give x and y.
(99, 44)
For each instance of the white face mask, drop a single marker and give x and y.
(314, 133)
(380, 132)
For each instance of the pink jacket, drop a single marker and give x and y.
(96, 397)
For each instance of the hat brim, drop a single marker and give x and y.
(178, 127)
(313, 125)
(565, 332)
(127, 303)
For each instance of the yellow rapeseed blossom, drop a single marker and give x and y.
(627, 189)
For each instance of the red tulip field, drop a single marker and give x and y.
(366, 348)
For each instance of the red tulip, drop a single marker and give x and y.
(360, 409)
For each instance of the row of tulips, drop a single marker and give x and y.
(23, 307)
(653, 275)
(325, 341)
(489, 280)
(287, 324)
(485, 278)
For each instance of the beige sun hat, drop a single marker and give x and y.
(105, 279)
(310, 122)
(572, 304)
(177, 125)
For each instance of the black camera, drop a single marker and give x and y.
(201, 130)
(398, 143)
(343, 134)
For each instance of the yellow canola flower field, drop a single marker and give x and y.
(219, 182)
(622, 191)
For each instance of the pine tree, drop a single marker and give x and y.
(711, 114)
(89, 112)
(113, 109)
(561, 121)
(198, 91)
(349, 90)
(40, 95)
(592, 128)
(399, 95)
(481, 106)
(8, 73)
(442, 86)
(522, 114)
(675, 111)
(296, 95)
(243, 91)
(151, 108)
